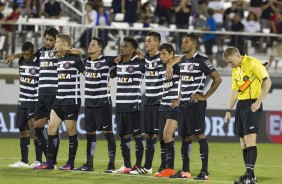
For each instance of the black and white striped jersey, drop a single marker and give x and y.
(48, 79)
(153, 90)
(171, 88)
(129, 79)
(69, 69)
(29, 76)
(193, 75)
(97, 76)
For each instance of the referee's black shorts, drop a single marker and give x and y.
(246, 121)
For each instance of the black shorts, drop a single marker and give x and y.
(128, 123)
(150, 119)
(67, 112)
(98, 118)
(246, 121)
(208, 46)
(193, 119)
(44, 106)
(164, 115)
(23, 115)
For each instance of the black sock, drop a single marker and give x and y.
(73, 144)
(38, 151)
(185, 153)
(24, 144)
(163, 154)
(52, 144)
(125, 145)
(111, 146)
(244, 151)
(90, 149)
(170, 152)
(251, 159)
(204, 152)
(150, 151)
(42, 139)
(57, 141)
(139, 150)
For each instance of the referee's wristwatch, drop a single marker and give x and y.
(227, 110)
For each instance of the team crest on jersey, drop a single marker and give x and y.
(66, 65)
(98, 64)
(32, 71)
(155, 64)
(191, 67)
(130, 69)
(51, 53)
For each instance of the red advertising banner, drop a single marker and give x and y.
(274, 126)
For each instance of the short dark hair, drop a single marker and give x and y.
(168, 47)
(101, 42)
(27, 46)
(194, 38)
(155, 35)
(51, 31)
(132, 41)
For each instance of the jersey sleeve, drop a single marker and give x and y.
(259, 70)
(110, 61)
(79, 64)
(207, 67)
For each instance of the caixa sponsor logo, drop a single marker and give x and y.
(274, 126)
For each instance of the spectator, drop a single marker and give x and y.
(209, 39)
(146, 14)
(230, 13)
(103, 19)
(238, 40)
(218, 8)
(52, 9)
(115, 8)
(130, 9)
(3, 33)
(203, 8)
(255, 6)
(21, 3)
(163, 24)
(164, 9)
(34, 8)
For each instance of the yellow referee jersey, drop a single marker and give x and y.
(248, 67)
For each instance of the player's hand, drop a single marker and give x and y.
(174, 103)
(227, 117)
(255, 106)
(117, 60)
(168, 72)
(198, 97)
(10, 59)
(140, 54)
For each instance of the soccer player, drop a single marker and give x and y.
(193, 70)
(168, 108)
(249, 105)
(67, 103)
(98, 104)
(29, 75)
(129, 72)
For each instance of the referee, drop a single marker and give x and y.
(249, 106)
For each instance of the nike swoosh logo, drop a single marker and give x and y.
(135, 130)
(156, 129)
(30, 114)
(70, 115)
(197, 130)
(105, 126)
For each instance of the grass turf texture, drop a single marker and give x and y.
(225, 165)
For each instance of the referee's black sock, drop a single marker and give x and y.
(251, 159)
(185, 153)
(38, 151)
(57, 141)
(150, 151)
(139, 150)
(24, 144)
(163, 154)
(90, 149)
(170, 153)
(40, 132)
(204, 153)
(111, 146)
(244, 151)
(125, 145)
(73, 144)
(52, 144)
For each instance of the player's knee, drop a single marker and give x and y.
(40, 123)
(186, 138)
(24, 133)
(167, 138)
(138, 136)
(200, 136)
(124, 136)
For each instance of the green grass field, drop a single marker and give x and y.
(225, 165)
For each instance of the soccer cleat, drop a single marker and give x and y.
(141, 170)
(122, 170)
(246, 179)
(181, 174)
(35, 164)
(159, 171)
(202, 176)
(165, 173)
(110, 168)
(19, 164)
(67, 167)
(84, 168)
(44, 165)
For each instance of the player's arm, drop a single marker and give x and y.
(232, 101)
(12, 57)
(169, 66)
(265, 87)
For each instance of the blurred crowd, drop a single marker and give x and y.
(209, 15)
